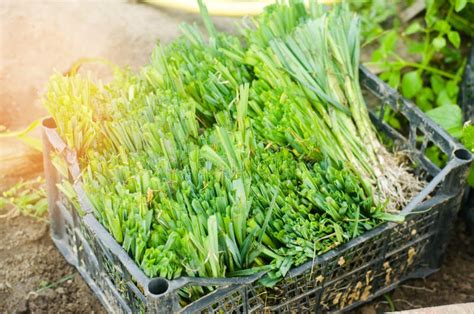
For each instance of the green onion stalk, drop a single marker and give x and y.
(322, 55)
(305, 92)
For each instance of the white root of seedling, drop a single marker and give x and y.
(395, 183)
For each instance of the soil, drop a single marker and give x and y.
(35, 278)
(30, 261)
(38, 37)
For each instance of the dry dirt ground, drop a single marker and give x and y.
(35, 278)
(30, 261)
(38, 37)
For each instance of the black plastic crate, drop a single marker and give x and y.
(466, 101)
(341, 279)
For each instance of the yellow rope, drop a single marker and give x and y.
(221, 8)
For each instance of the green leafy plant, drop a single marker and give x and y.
(374, 14)
(424, 61)
(26, 198)
(426, 74)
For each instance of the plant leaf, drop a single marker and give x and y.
(439, 43)
(468, 137)
(394, 79)
(443, 98)
(411, 84)
(424, 99)
(437, 83)
(449, 117)
(413, 28)
(454, 38)
(459, 5)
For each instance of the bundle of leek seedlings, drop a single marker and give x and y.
(234, 155)
(305, 89)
